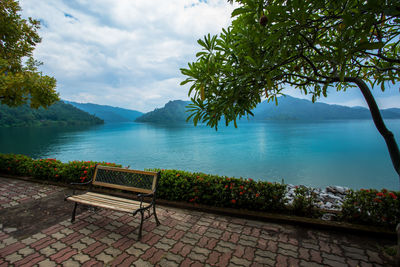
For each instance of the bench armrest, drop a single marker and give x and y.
(145, 195)
(85, 183)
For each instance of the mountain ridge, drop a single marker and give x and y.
(288, 108)
(107, 113)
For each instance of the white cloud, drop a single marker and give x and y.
(123, 53)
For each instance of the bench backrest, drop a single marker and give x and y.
(125, 179)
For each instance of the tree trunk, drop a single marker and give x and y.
(379, 123)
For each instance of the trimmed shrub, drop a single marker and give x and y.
(47, 169)
(373, 207)
(16, 164)
(221, 191)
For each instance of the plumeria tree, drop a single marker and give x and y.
(20, 80)
(308, 45)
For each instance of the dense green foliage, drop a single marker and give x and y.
(172, 112)
(108, 113)
(372, 207)
(221, 191)
(308, 45)
(364, 206)
(58, 114)
(49, 169)
(21, 82)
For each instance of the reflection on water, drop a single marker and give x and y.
(38, 141)
(349, 153)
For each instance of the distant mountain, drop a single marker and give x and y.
(289, 108)
(172, 112)
(108, 113)
(58, 114)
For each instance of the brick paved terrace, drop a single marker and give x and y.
(35, 230)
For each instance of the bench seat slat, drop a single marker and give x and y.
(114, 198)
(104, 201)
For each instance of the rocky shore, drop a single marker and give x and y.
(330, 198)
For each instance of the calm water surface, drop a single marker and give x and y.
(348, 153)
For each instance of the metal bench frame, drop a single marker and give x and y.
(117, 203)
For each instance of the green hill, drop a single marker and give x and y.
(58, 114)
(108, 113)
(172, 112)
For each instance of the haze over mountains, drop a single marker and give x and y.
(289, 108)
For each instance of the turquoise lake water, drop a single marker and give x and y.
(347, 153)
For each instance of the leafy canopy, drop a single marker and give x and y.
(309, 45)
(20, 81)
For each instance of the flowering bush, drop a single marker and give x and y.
(47, 169)
(221, 191)
(372, 207)
(81, 171)
(16, 164)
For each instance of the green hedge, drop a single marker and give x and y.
(370, 207)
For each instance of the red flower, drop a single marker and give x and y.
(56, 175)
(233, 201)
(177, 175)
(380, 194)
(84, 172)
(241, 193)
(257, 195)
(377, 200)
(226, 186)
(393, 195)
(241, 187)
(251, 180)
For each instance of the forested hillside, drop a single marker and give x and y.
(108, 113)
(59, 114)
(172, 112)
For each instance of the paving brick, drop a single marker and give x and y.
(13, 257)
(63, 255)
(173, 257)
(58, 245)
(12, 248)
(141, 263)
(315, 256)
(224, 259)
(103, 257)
(81, 258)
(47, 263)
(213, 258)
(32, 259)
(25, 251)
(182, 249)
(48, 251)
(120, 259)
(227, 245)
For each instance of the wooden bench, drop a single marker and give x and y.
(142, 182)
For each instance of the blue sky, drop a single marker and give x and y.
(128, 53)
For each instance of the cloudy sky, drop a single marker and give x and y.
(128, 53)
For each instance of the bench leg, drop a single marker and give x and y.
(155, 215)
(73, 212)
(141, 224)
